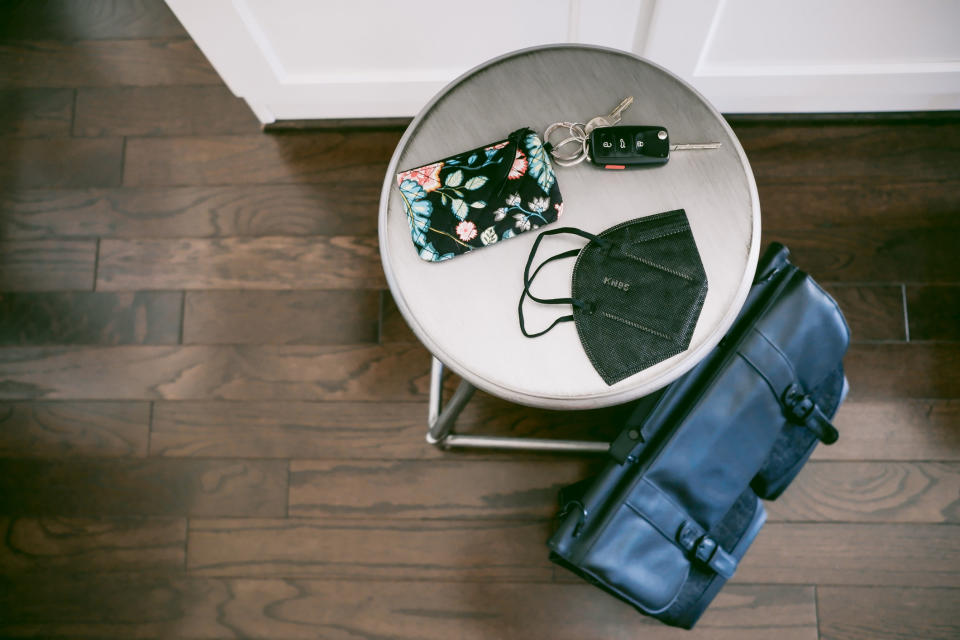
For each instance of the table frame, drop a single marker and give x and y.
(442, 419)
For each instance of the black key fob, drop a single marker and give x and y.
(629, 146)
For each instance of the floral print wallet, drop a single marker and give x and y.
(480, 197)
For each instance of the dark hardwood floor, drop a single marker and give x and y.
(212, 414)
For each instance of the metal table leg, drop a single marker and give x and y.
(442, 420)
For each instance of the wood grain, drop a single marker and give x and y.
(470, 610)
(35, 112)
(873, 312)
(394, 373)
(934, 312)
(87, 19)
(360, 430)
(379, 548)
(100, 63)
(393, 328)
(869, 492)
(348, 548)
(281, 317)
(874, 254)
(888, 613)
(318, 262)
(885, 153)
(41, 265)
(145, 606)
(329, 208)
(167, 111)
(380, 430)
(352, 158)
(870, 430)
(68, 429)
(914, 555)
(90, 318)
(145, 487)
(895, 430)
(527, 489)
(59, 162)
(85, 544)
(489, 415)
(861, 203)
(282, 395)
(447, 488)
(903, 370)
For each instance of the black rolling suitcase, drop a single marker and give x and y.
(666, 522)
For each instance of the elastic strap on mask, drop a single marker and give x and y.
(528, 279)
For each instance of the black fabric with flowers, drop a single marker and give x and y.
(480, 197)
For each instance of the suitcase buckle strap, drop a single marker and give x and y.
(798, 404)
(775, 368)
(801, 409)
(705, 549)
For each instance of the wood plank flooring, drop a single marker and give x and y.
(212, 413)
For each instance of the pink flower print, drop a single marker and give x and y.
(467, 231)
(559, 207)
(519, 166)
(499, 145)
(427, 177)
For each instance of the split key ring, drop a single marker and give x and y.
(578, 136)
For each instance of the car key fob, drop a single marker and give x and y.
(622, 147)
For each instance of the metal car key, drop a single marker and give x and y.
(611, 118)
(635, 146)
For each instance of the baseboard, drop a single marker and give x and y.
(876, 117)
(337, 123)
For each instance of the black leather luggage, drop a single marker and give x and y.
(667, 521)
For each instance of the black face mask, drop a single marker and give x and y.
(637, 292)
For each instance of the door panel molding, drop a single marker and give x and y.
(683, 33)
(298, 59)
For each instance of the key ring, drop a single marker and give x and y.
(577, 135)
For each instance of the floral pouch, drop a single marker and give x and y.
(480, 197)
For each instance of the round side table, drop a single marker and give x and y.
(464, 310)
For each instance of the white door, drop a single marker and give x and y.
(305, 59)
(750, 56)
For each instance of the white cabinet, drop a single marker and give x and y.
(751, 56)
(306, 59)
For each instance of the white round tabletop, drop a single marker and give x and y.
(464, 310)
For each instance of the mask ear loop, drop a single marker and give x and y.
(528, 279)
